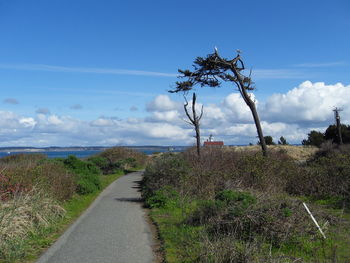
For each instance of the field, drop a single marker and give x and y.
(295, 152)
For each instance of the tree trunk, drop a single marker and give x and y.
(194, 120)
(340, 138)
(252, 107)
(251, 104)
(198, 138)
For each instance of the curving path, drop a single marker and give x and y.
(113, 229)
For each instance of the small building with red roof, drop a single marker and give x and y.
(210, 142)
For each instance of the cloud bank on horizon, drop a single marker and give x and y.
(292, 115)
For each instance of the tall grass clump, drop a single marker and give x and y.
(24, 215)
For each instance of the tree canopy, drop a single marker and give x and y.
(211, 71)
(316, 138)
(282, 141)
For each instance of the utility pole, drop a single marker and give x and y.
(337, 120)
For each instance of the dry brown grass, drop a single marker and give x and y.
(295, 152)
(24, 214)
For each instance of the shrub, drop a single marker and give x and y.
(274, 219)
(88, 183)
(118, 158)
(115, 154)
(167, 170)
(327, 176)
(80, 167)
(163, 197)
(100, 162)
(22, 159)
(268, 174)
(227, 204)
(21, 172)
(236, 201)
(56, 179)
(88, 180)
(209, 174)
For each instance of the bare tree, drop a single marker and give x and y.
(213, 69)
(194, 120)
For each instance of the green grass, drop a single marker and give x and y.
(183, 243)
(180, 242)
(38, 242)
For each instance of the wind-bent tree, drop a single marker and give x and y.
(213, 69)
(194, 120)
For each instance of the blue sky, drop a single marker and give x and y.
(81, 62)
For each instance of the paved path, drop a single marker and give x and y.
(113, 229)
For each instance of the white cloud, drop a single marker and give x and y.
(292, 115)
(161, 103)
(167, 116)
(309, 103)
(236, 109)
(54, 120)
(102, 122)
(27, 122)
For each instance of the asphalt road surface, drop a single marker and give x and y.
(113, 229)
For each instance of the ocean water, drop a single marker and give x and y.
(85, 154)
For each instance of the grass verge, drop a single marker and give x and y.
(180, 242)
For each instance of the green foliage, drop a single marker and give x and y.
(80, 167)
(166, 196)
(100, 162)
(282, 141)
(88, 180)
(247, 205)
(87, 183)
(21, 172)
(269, 140)
(326, 177)
(33, 245)
(118, 159)
(167, 170)
(331, 133)
(315, 138)
(236, 201)
(227, 204)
